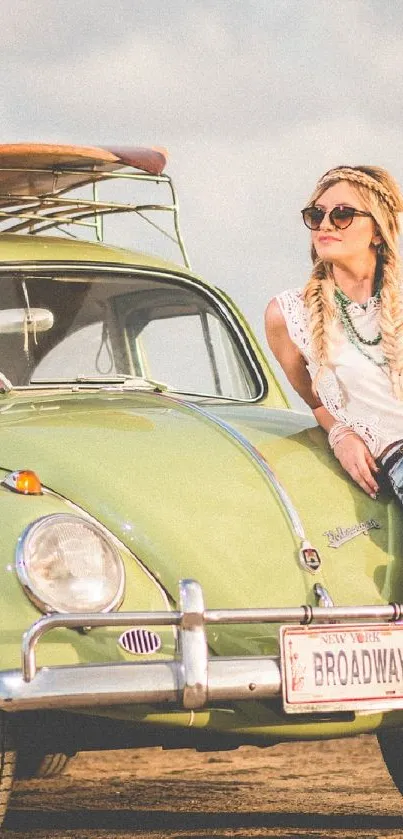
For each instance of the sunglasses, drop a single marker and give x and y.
(340, 217)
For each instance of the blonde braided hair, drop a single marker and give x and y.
(381, 197)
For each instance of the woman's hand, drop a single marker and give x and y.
(356, 458)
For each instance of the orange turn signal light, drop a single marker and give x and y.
(24, 481)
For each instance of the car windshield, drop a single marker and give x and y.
(106, 328)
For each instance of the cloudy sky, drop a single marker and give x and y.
(253, 99)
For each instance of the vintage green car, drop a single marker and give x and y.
(184, 563)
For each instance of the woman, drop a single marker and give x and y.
(340, 339)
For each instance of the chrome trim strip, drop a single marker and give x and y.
(260, 461)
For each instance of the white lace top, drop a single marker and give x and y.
(352, 388)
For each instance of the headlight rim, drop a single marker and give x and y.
(26, 582)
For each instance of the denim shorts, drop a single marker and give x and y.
(392, 469)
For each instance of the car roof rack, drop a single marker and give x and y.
(36, 180)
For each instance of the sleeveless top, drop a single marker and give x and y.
(353, 388)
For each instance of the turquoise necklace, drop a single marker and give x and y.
(342, 303)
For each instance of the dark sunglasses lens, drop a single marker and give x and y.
(313, 216)
(342, 216)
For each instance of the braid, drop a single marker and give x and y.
(391, 321)
(361, 178)
(319, 300)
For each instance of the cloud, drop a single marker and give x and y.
(233, 70)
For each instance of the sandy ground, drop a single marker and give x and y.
(295, 791)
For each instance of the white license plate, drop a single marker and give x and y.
(342, 668)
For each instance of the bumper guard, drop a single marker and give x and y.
(190, 681)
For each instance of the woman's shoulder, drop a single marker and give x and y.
(290, 295)
(282, 303)
(288, 308)
(290, 302)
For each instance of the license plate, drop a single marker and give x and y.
(342, 668)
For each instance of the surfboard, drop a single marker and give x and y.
(38, 169)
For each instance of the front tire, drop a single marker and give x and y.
(7, 763)
(41, 766)
(391, 746)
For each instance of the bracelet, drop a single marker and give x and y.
(338, 432)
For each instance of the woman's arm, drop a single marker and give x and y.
(351, 451)
(289, 356)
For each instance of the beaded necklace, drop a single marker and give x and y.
(342, 303)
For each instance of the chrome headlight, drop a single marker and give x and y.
(68, 564)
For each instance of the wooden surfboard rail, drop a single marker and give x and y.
(36, 179)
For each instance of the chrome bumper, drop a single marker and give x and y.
(191, 681)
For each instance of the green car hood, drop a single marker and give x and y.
(359, 539)
(190, 500)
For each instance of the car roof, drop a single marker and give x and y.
(17, 248)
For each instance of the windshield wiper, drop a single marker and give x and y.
(120, 380)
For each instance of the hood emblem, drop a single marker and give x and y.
(309, 557)
(344, 534)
